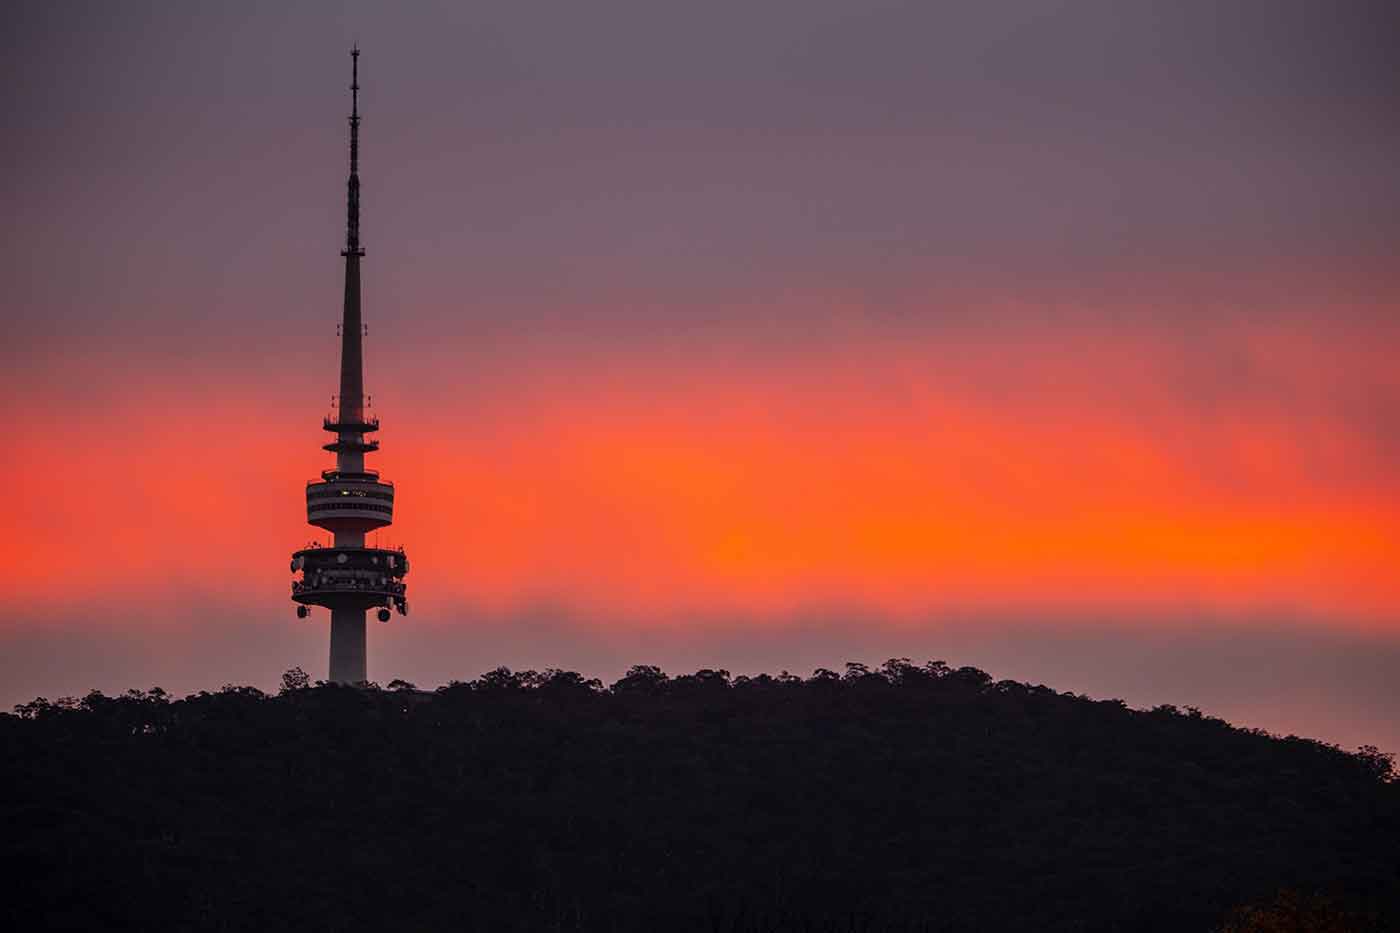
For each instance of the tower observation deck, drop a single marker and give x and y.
(349, 501)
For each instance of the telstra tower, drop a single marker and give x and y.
(348, 501)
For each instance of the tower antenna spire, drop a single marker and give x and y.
(352, 205)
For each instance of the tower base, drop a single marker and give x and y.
(348, 646)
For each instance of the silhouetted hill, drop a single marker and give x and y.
(919, 798)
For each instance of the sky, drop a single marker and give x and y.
(1055, 338)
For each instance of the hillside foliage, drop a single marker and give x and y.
(908, 797)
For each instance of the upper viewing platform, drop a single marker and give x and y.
(361, 425)
(341, 445)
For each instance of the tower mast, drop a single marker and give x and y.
(352, 330)
(349, 500)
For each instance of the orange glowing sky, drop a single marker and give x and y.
(870, 473)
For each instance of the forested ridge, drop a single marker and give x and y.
(909, 797)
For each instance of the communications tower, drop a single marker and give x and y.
(349, 501)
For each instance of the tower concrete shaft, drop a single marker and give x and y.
(348, 578)
(349, 659)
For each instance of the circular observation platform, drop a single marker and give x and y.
(351, 578)
(349, 502)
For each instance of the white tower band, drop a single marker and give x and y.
(349, 501)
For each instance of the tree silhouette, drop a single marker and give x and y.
(295, 679)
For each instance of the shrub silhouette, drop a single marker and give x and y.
(1291, 912)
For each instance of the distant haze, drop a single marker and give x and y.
(1055, 338)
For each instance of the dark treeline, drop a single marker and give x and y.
(904, 798)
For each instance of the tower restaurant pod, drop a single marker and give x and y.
(349, 501)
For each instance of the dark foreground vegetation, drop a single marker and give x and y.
(905, 798)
